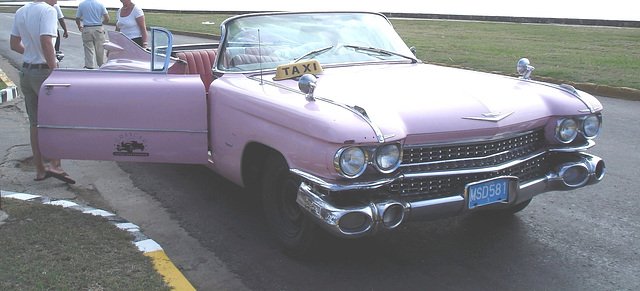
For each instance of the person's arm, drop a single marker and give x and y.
(106, 18)
(64, 27)
(79, 17)
(79, 23)
(16, 44)
(143, 30)
(46, 41)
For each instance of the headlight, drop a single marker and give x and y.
(591, 126)
(388, 157)
(350, 162)
(567, 130)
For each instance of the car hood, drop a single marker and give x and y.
(432, 103)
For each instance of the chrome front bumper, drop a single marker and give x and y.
(383, 214)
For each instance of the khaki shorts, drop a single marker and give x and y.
(30, 82)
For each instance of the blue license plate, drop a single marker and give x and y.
(488, 192)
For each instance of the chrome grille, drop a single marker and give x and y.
(469, 157)
(439, 187)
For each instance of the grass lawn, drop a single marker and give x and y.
(583, 54)
(38, 251)
(601, 55)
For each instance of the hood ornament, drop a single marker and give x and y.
(491, 116)
(307, 84)
(524, 68)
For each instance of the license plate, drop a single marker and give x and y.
(488, 192)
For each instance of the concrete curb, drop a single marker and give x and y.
(163, 265)
(11, 92)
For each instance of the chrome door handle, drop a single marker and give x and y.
(48, 87)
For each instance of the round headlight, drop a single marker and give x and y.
(388, 157)
(351, 162)
(591, 126)
(567, 130)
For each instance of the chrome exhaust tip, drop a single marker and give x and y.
(354, 222)
(574, 174)
(596, 166)
(391, 214)
(343, 222)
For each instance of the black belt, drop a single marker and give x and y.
(92, 25)
(35, 66)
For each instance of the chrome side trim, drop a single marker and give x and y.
(590, 144)
(343, 187)
(568, 89)
(120, 129)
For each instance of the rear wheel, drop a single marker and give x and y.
(293, 229)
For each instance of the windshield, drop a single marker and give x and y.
(266, 41)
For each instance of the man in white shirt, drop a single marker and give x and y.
(33, 35)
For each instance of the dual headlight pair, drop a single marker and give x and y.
(351, 162)
(567, 129)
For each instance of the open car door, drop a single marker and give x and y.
(125, 115)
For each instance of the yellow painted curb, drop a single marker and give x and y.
(5, 79)
(172, 276)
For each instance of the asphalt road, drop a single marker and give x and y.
(587, 239)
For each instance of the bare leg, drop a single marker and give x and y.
(55, 167)
(38, 161)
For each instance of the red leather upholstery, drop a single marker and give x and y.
(244, 59)
(199, 62)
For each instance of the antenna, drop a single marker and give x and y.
(260, 56)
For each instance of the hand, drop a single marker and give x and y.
(65, 34)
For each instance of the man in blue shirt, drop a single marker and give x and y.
(90, 17)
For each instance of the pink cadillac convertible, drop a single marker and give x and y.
(332, 119)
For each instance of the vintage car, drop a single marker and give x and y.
(332, 119)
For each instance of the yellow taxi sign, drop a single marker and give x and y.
(293, 70)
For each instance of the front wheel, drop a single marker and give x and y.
(294, 230)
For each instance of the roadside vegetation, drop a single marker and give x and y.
(45, 247)
(573, 54)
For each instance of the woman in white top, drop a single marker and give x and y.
(131, 23)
